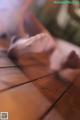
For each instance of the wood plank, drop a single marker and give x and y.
(51, 87)
(6, 62)
(53, 115)
(3, 86)
(68, 107)
(12, 76)
(24, 103)
(3, 52)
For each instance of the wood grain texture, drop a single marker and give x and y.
(6, 62)
(68, 107)
(3, 52)
(53, 115)
(3, 86)
(12, 76)
(24, 103)
(51, 87)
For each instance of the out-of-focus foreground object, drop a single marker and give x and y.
(12, 15)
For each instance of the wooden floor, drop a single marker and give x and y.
(29, 91)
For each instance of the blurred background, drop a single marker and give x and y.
(62, 20)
